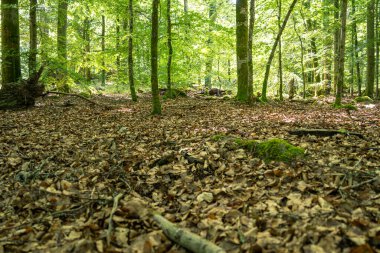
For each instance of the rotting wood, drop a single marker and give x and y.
(323, 132)
(185, 238)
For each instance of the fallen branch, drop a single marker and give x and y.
(323, 132)
(110, 224)
(185, 238)
(76, 95)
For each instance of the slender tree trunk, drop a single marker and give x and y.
(154, 58)
(10, 42)
(377, 47)
(130, 53)
(185, 6)
(62, 42)
(280, 52)
(302, 61)
(271, 56)
(370, 48)
(250, 48)
(341, 52)
(118, 63)
(32, 37)
(170, 50)
(336, 42)
(242, 49)
(210, 58)
(103, 50)
(87, 48)
(356, 49)
(327, 42)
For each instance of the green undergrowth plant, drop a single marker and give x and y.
(363, 99)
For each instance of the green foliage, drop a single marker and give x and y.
(174, 94)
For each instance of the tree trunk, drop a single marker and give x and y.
(130, 53)
(210, 58)
(10, 42)
(185, 6)
(377, 28)
(280, 52)
(271, 56)
(327, 42)
(118, 63)
(370, 48)
(32, 37)
(302, 62)
(356, 50)
(103, 50)
(242, 49)
(87, 48)
(250, 49)
(154, 58)
(340, 56)
(170, 50)
(62, 43)
(336, 42)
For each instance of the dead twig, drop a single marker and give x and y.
(360, 184)
(110, 224)
(79, 96)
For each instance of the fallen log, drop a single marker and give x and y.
(185, 238)
(323, 132)
(76, 95)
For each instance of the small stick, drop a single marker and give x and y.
(110, 224)
(360, 184)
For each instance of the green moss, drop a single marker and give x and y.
(249, 145)
(218, 137)
(350, 107)
(278, 150)
(363, 99)
(174, 94)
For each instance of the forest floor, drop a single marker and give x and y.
(62, 167)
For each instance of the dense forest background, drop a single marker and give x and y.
(85, 45)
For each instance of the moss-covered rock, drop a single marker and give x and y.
(270, 150)
(363, 99)
(278, 150)
(350, 107)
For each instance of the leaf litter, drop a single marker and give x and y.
(63, 167)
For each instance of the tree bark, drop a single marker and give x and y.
(271, 56)
(154, 58)
(280, 52)
(250, 49)
(10, 42)
(370, 48)
(32, 37)
(336, 42)
(87, 48)
(302, 61)
(340, 56)
(62, 43)
(103, 50)
(130, 53)
(170, 50)
(377, 35)
(327, 42)
(210, 58)
(356, 49)
(242, 49)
